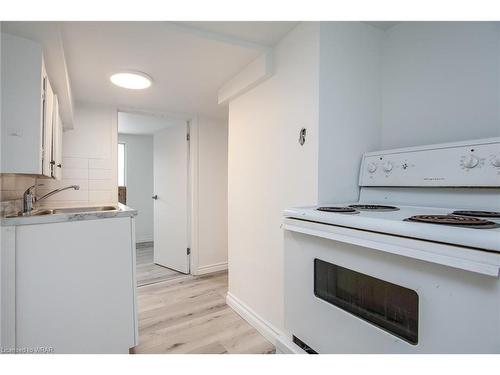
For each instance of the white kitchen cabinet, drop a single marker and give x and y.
(70, 288)
(28, 109)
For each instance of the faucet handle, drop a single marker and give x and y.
(29, 190)
(28, 200)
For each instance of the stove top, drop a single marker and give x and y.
(373, 207)
(353, 208)
(490, 214)
(455, 220)
(343, 210)
(428, 223)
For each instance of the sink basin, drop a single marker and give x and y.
(33, 213)
(83, 209)
(73, 210)
(41, 212)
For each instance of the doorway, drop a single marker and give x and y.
(153, 178)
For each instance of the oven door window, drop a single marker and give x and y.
(388, 306)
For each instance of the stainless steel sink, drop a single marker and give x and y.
(83, 209)
(72, 210)
(39, 212)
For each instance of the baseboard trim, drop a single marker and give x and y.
(265, 328)
(211, 268)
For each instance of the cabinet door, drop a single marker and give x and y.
(75, 286)
(22, 105)
(47, 129)
(57, 142)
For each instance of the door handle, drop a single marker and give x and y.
(155, 197)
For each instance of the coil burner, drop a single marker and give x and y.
(373, 207)
(454, 220)
(492, 214)
(340, 210)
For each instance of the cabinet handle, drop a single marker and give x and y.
(155, 197)
(52, 162)
(59, 165)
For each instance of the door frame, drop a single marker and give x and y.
(193, 185)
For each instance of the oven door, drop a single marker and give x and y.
(344, 298)
(388, 306)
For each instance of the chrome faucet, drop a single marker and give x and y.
(29, 198)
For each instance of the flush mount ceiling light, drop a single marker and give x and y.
(131, 80)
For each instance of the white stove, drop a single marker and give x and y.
(412, 267)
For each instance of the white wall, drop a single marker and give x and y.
(139, 181)
(349, 105)
(212, 195)
(441, 82)
(269, 170)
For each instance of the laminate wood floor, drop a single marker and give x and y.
(190, 315)
(149, 272)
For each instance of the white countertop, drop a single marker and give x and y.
(121, 211)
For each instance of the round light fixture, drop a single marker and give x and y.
(131, 80)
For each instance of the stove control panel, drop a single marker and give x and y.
(473, 163)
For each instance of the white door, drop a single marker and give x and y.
(171, 150)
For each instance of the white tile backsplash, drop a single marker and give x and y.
(53, 184)
(94, 176)
(66, 195)
(11, 182)
(100, 185)
(75, 163)
(99, 164)
(78, 173)
(100, 196)
(99, 174)
(8, 195)
(12, 188)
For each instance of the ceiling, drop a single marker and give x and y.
(187, 69)
(188, 61)
(144, 124)
(265, 33)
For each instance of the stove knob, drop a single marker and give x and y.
(470, 161)
(372, 167)
(387, 166)
(495, 161)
